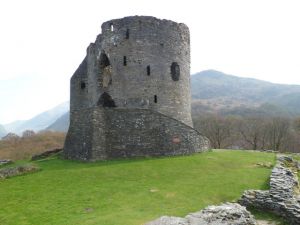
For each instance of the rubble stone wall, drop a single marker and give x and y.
(282, 198)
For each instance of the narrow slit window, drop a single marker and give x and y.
(148, 70)
(155, 98)
(82, 85)
(124, 61)
(111, 27)
(127, 34)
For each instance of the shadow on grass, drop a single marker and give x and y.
(65, 164)
(268, 216)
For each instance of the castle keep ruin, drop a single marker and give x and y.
(130, 96)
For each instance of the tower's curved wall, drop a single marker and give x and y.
(142, 62)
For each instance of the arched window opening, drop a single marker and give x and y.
(155, 98)
(82, 85)
(124, 61)
(148, 70)
(111, 27)
(106, 100)
(175, 71)
(127, 34)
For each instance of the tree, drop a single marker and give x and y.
(277, 132)
(28, 133)
(11, 137)
(253, 133)
(216, 129)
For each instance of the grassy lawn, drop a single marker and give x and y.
(129, 192)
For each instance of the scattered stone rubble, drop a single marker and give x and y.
(5, 161)
(282, 198)
(17, 170)
(46, 154)
(225, 214)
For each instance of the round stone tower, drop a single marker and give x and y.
(141, 62)
(137, 70)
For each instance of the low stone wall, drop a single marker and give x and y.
(225, 214)
(17, 170)
(282, 198)
(46, 154)
(5, 162)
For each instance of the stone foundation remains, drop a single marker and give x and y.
(225, 214)
(282, 199)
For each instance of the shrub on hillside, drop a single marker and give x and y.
(26, 147)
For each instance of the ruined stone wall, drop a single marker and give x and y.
(78, 142)
(98, 133)
(140, 62)
(78, 85)
(283, 196)
(225, 214)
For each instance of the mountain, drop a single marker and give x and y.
(214, 91)
(3, 132)
(61, 124)
(39, 122)
(13, 126)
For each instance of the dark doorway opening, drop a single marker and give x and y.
(106, 100)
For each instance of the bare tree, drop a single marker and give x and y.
(253, 133)
(277, 132)
(11, 137)
(28, 133)
(216, 129)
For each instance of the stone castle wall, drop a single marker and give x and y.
(140, 62)
(122, 133)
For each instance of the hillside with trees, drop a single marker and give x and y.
(214, 91)
(29, 143)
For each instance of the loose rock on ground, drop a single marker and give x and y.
(225, 214)
(17, 170)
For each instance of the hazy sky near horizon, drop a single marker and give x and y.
(42, 42)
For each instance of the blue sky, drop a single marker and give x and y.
(42, 42)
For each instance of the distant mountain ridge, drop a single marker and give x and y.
(61, 124)
(40, 121)
(3, 132)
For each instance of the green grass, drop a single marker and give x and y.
(267, 216)
(129, 191)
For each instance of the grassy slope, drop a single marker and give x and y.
(129, 191)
